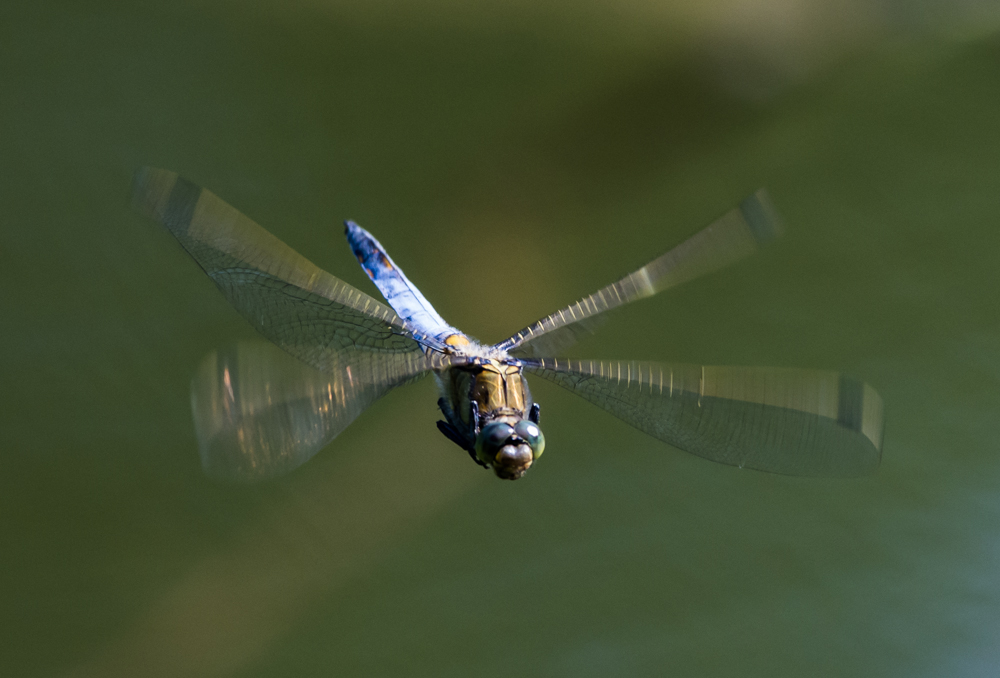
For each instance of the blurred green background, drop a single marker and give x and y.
(512, 156)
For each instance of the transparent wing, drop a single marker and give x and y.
(301, 308)
(737, 234)
(795, 422)
(259, 412)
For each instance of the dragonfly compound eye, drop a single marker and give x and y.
(532, 435)
(491, 439)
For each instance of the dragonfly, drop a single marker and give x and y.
(262, 411)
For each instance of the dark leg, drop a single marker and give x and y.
(452, 434)
(472, 453)
(534, 412)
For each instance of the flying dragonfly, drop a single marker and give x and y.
(260, 412)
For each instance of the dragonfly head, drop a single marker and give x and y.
(509, 445)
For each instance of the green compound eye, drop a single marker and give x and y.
(491, 439)
(532, 435)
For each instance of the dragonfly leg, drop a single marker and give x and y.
(534, 412)
(452, 434)
(476, 422)
(472, 453)
(443, 406)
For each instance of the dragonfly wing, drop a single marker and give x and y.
(259, 412)
(306, 311)
(789, 421)
(734, 236)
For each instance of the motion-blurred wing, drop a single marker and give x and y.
(301, 308)
(737, 234)
(259, 413)
(795, 422)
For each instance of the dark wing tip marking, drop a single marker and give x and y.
(850, 405)
(180, 205)
(166, 197)
(140, 180)
(144, 193)
(859, 408)
(761, 217)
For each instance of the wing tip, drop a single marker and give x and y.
(861, 410)
(151, 187)
(873, 418)
(761, 216)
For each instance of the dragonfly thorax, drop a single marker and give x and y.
(489, 411)
(499, 388)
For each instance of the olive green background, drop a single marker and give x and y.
(512, 157)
